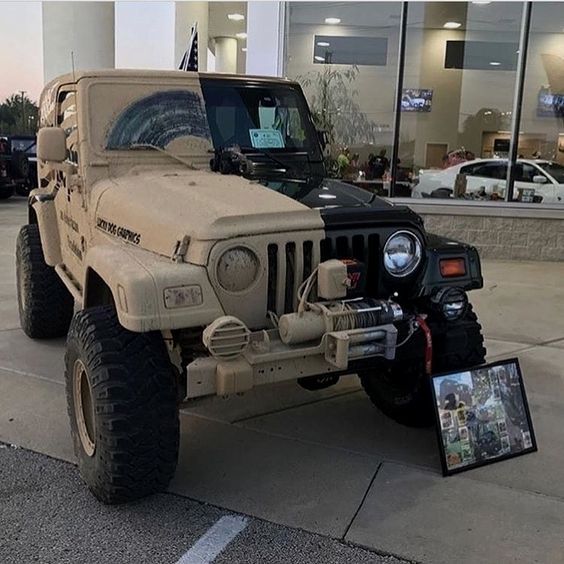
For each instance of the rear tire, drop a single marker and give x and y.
(403, 392)
(45, 304)
(122, 404)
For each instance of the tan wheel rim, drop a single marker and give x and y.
(23, 294)
(83, 407)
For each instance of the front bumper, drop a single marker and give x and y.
(268, 360)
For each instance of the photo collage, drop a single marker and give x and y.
(482, 415)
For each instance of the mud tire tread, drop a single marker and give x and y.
(135, 407)
(458, 344)
(49, 305)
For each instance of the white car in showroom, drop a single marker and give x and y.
(487, 176)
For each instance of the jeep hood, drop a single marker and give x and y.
(157, 209)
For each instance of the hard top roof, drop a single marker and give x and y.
(164, 74)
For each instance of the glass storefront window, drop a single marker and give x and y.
(459, 86)
(465, 56)
(348, 70)
(541, 137)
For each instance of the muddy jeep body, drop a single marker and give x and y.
(217, 277)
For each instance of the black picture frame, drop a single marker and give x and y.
(476, 428)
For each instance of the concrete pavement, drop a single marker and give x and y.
(48, 516)
(328, 462)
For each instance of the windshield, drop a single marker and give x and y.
(555, 170)
(173, 118)
(266, 117)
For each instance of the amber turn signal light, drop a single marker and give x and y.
(452, 267)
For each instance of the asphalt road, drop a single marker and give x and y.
(48, 516)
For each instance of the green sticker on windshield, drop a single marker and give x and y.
(266, 139)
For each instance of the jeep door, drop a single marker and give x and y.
(69, 200)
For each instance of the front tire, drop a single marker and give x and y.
(122, 404)
(402, 391)
(45, 305)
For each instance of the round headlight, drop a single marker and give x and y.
(402, 253)
(237, 269)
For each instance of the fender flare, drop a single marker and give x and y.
(137, 280)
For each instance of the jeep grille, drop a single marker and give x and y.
(289, 264)
(363, 247)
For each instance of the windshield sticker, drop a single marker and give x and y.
(266, 139)
(159, 119)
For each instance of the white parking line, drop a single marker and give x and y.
(216, 538)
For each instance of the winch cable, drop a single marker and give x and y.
(273, 317)
(353, 319)
(304, 290)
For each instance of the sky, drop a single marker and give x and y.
(137, 27)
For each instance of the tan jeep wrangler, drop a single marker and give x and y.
(189, 221)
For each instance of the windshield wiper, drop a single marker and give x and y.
(164, 151)
(267, 154)
(285, 167)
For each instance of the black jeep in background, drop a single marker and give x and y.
(18, 165)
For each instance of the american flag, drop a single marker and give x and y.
(190, 58)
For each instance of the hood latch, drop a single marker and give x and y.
(180, 249)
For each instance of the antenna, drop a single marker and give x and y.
(72, 65)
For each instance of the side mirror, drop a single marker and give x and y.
(539, 179)
(51, 144)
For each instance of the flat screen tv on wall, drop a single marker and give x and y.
(549, 104)
(416, 100)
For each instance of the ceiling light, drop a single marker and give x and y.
(332, 21)
(452, 25)
(318, 58)
(323, 43)
(327, 196)
(235, 17)
(483, 2)
(241, 35)
(495, 63)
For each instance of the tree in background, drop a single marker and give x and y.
(18, 115)
(334, 108)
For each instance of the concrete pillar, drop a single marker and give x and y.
(265, 38)
(84, 28)
(226, 54)
(186, 14)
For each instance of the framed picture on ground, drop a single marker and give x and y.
(482, 416)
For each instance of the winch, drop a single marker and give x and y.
(344, 315)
